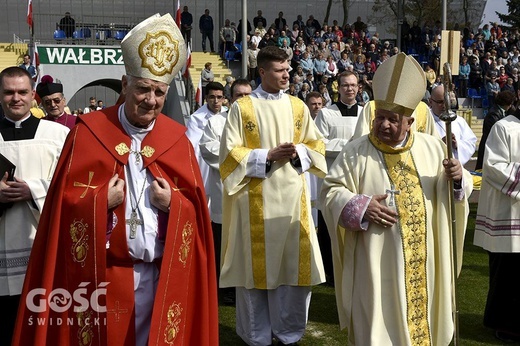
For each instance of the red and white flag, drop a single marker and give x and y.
(30, 14)
(178, 14)
(198, 94)
(186, 69)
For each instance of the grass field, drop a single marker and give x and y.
(323, 326)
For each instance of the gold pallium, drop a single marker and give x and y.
(79, 248)
(122, 149)
(184, 249)
(412, 215)
(86, 186)
(172, 328)
(159, 53)
(85, 333)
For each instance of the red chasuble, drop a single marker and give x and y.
(79, 287)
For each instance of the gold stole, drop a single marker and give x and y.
(411, 207)
(256, 202)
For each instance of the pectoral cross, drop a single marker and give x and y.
(133, 221)
(392, 193)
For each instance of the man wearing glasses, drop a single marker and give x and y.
(463, 139)
(54, 103)
(214, 97)
(337, 124)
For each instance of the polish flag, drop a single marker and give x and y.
(177, 15)
(198, 94)
(30, 14)
(186, 69)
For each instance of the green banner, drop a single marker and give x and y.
(80, 56)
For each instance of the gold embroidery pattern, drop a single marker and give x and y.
(250, 126)
(235, 156)
(304, 261)
(79, 249)
(147, 151)
(85, 334)
(172, 328)
(159, 53)
(412, 215)
(184, 249)
(122, 149)
(86, 186)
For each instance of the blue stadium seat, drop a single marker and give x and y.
(473, 94)
(59, 35)
(120, 34)
(78, 34)
(86, 32)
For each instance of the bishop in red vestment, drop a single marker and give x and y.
(79, 287)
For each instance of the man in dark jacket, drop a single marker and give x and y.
(206, 29)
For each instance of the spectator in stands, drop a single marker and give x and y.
(239, 31)
(100, 105)
(283, 38)
(305, 90)
(28, 66)
(299, 22)
(359, 65)
(92, 105)
(207, 77)
(320, 67)
(502, 77)
(332, 68)
(227, 37)
(344, 63)
(309, 80)
(186, 24)
(280, 22)
(67, 24)
(464, 70)
(252, 66)
(206, 29)
(475, 74)
(492, 88)
(431, 76)
(259, 19)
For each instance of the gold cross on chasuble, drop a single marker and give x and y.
(412, 222)
(86, 186)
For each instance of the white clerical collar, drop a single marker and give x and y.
(348, 106)
(403, 143)
(129, 128)
(18, 123)
(260, 93)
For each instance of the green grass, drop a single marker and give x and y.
(323, 326)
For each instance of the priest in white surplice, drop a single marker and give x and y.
(34, 147)
(385, 201)
(269, 247)
(497, 227)
(198, 121)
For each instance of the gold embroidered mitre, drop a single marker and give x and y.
(154, 49)
(399, 84)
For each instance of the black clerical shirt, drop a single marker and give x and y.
(347, 111)
(26, 131)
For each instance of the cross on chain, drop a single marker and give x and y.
(117, 311)
(86, 186)
(133, 222)
(392, 191)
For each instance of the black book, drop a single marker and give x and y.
(6, 166)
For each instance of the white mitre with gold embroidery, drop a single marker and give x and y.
(399, 84)
(154, 49)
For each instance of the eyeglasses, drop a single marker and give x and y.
(437, 101)
(56, 100)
